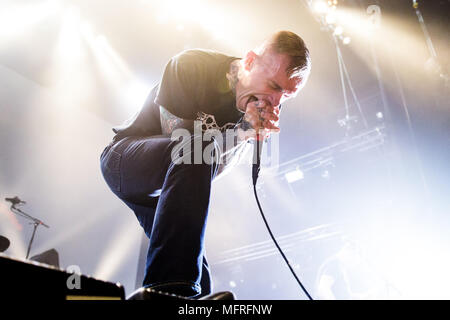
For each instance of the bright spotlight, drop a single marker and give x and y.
(115, 60)
(320, 7)
(338, 31)
(102, 41)
(69, 45)
(293, 176)
(134, 95)
(346, 40)
(69, 74)
(330, 18)
(86, 28)
(16, 19)
(162, 18)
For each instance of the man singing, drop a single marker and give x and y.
(171, 198)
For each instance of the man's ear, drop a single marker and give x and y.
(249, 60)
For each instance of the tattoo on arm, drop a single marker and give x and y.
(170, 122)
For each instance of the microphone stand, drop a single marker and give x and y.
(36, 223)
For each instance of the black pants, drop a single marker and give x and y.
(171, 202)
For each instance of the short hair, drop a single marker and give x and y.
(290, 44)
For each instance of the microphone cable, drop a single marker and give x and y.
(255, 172)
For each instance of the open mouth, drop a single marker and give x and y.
(251, 99)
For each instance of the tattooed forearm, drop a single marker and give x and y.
(170, 122)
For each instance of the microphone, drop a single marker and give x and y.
(257, 152)
(14, 200)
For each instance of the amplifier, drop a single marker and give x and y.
(37, 281)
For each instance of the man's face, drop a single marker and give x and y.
(264, 78)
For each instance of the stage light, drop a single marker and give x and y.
(162, 18)
(86, 28)
(338, 31)
(181, 15)
(16, 19)
(379, 115)
(134, 95)
(320, 7)
(177, 10)
(115, 58)
(119, 250)
(131, 92)
(293, 176)
(69, 73)
(232, 284)
(330, 18)
(346, 40)
(69, 45)
(97, 45)
(332, 3)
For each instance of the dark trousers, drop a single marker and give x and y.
(171, 202)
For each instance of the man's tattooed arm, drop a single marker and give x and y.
(170, 122)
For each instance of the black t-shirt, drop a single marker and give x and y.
(194, 82)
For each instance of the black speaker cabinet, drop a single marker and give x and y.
(30, 280)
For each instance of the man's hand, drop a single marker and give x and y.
(263, 118)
